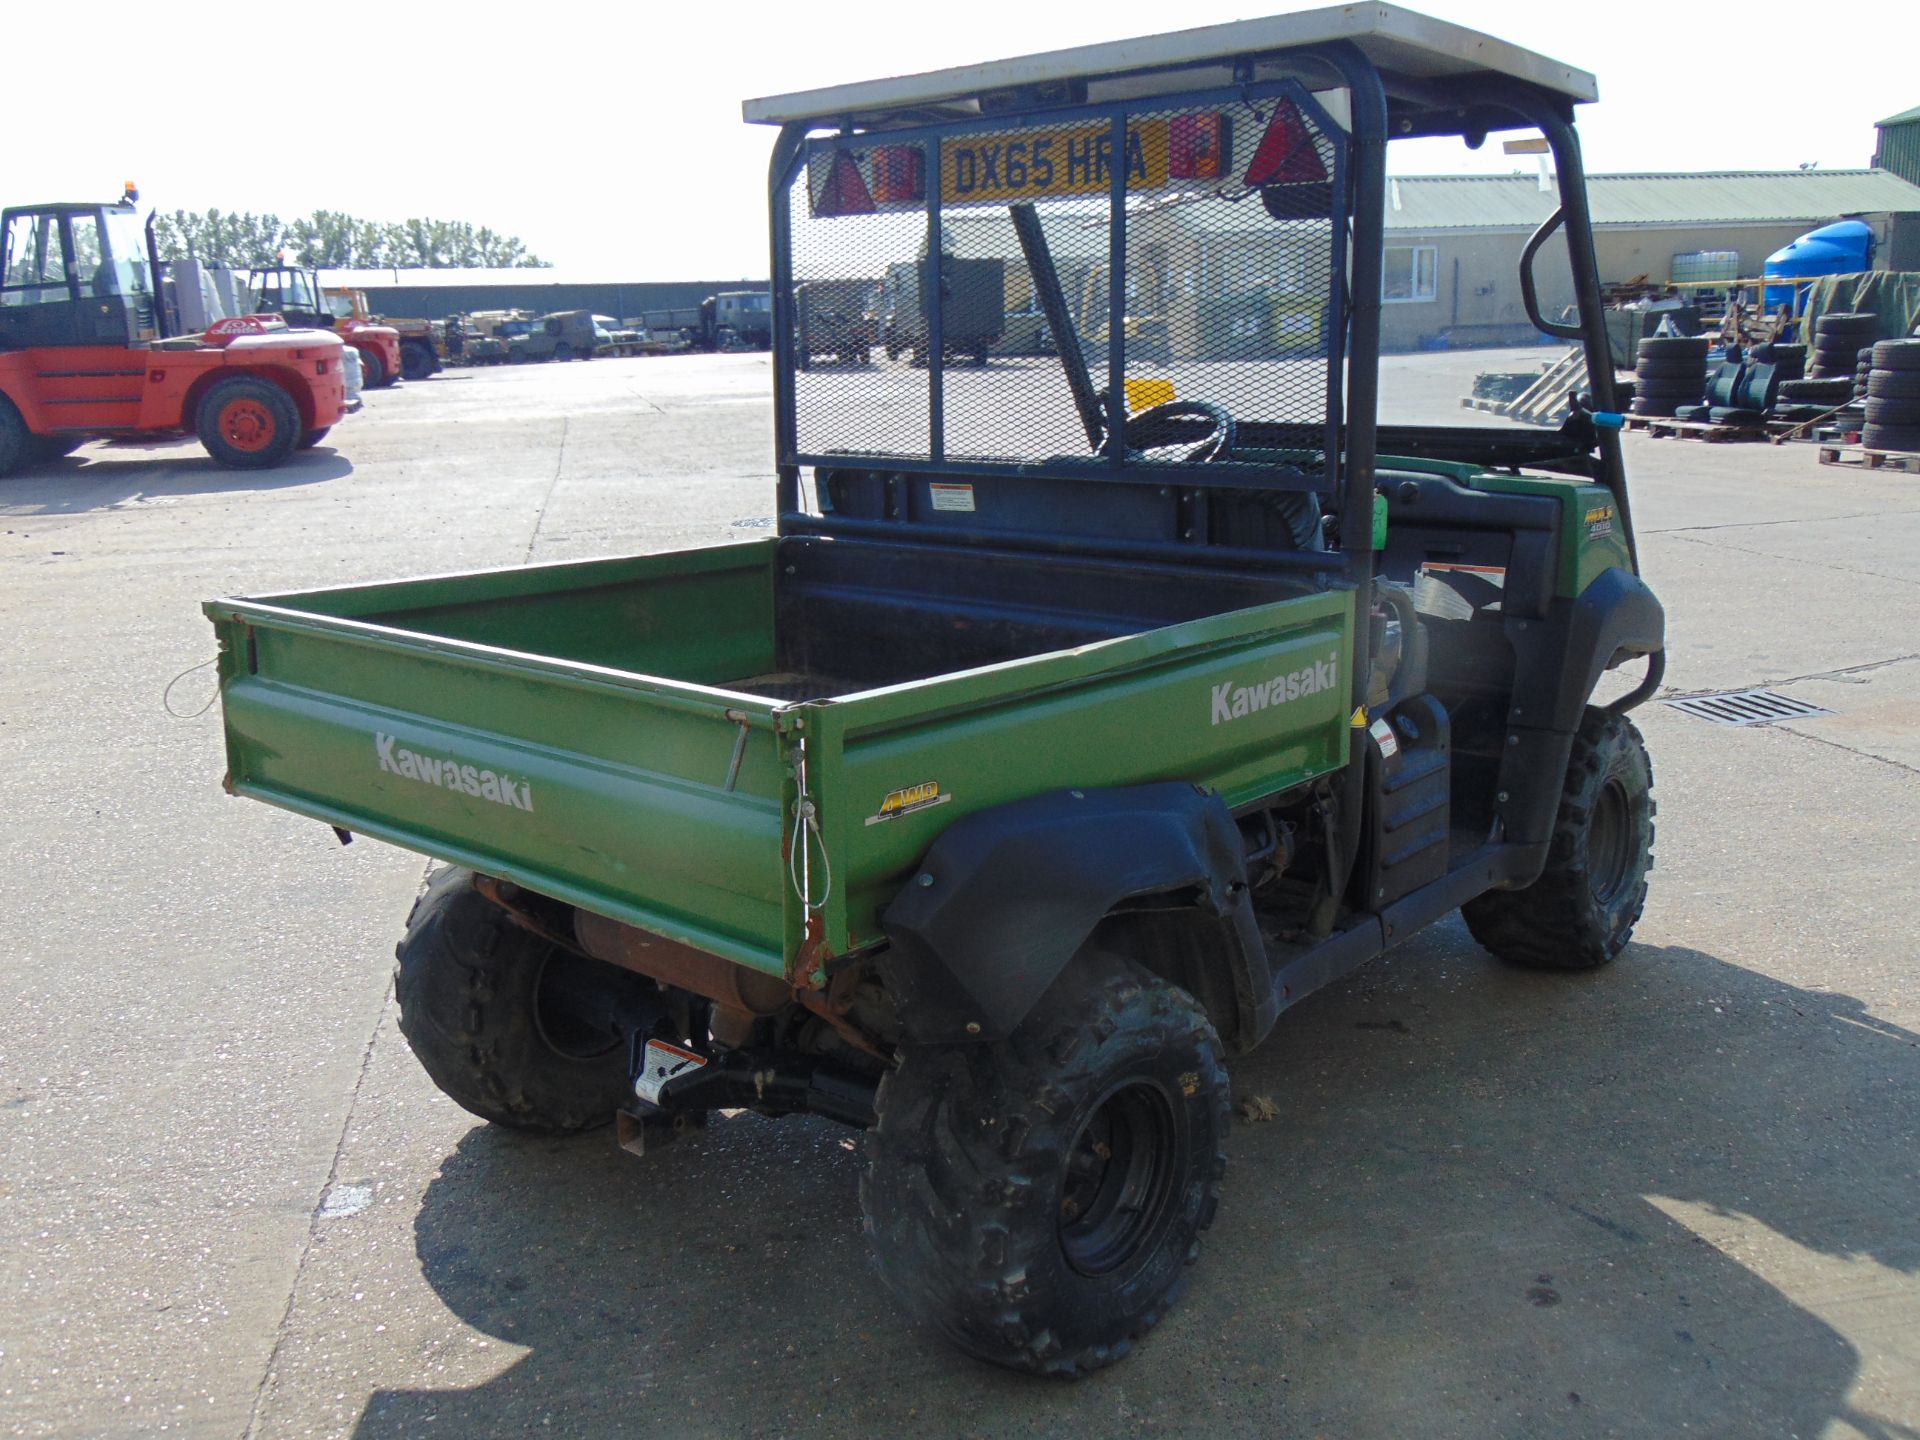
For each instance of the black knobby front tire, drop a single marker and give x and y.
(470, 987)
(248, 424)
(1038, 1200)
(373, 369)
(315, 436)
(1581, 911)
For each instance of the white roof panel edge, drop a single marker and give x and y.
(1395, 39)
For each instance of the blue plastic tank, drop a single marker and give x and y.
(1843, 248)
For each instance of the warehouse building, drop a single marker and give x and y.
(1899, 147)
(435, 294)
(1451, 274)
(1454, 241)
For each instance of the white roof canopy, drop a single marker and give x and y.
(1401, 43)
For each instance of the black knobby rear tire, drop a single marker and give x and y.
(315, 436)
(1581, 912)
(471, 986)
(416, 361)
(1038, 1200)
(248, 424)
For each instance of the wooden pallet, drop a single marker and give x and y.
(1904, 462)
(1545, 401)
(1701, 430)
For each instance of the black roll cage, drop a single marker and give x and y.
(1382, 107)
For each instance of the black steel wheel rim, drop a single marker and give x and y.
(1609, 841)
(1117, 1184)
(560, 1024)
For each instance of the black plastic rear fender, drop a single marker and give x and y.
(1004, 899)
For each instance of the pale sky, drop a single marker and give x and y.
(608, 137)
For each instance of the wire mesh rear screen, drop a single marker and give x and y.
(922, 330)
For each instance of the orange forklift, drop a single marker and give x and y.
(294, 295)
(85, 353)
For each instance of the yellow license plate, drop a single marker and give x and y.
(1040, 164)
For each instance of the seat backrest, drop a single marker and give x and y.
(1725, 385)
(1758, 387)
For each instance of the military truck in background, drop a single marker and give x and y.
(729, 320)
(837, 319)
(490, 332)
(973, 309)
(737, 320)
(563, 335)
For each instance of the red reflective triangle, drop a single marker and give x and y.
(845, 192)
(1287, 154)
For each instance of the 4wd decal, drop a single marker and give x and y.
(1236, 702)
(1599, 522)
(451, 774)
(923, 796)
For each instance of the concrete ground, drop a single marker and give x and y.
(1675, 1196)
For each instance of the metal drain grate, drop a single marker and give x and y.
(1746, 707)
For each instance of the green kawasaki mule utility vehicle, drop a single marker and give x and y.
(1065, 734)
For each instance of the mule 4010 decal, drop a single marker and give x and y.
(923, 796)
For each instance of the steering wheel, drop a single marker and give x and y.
(1216, 444)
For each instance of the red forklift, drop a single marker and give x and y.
(85, 353)
(294, 295)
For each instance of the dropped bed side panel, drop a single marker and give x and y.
(1247, 703)
(605, 790)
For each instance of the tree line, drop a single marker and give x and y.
(333, 240)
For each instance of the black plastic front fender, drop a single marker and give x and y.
(1005, 898)
(1557, 663)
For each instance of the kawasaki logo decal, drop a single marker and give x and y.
(451, 774)
(1236, 702)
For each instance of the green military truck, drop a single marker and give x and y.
(1052, 748)
(973, 309)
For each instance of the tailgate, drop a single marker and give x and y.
(652, 801)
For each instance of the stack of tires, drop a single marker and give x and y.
(1670, 371)
(1789, 361)
(1893, 397)
(1833, 379)
(1838, 341)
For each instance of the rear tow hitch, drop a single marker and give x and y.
(675, 1086)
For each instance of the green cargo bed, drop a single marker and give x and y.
(630, 735)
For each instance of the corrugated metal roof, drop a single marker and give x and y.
(1733, 197)
(1901, 119)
